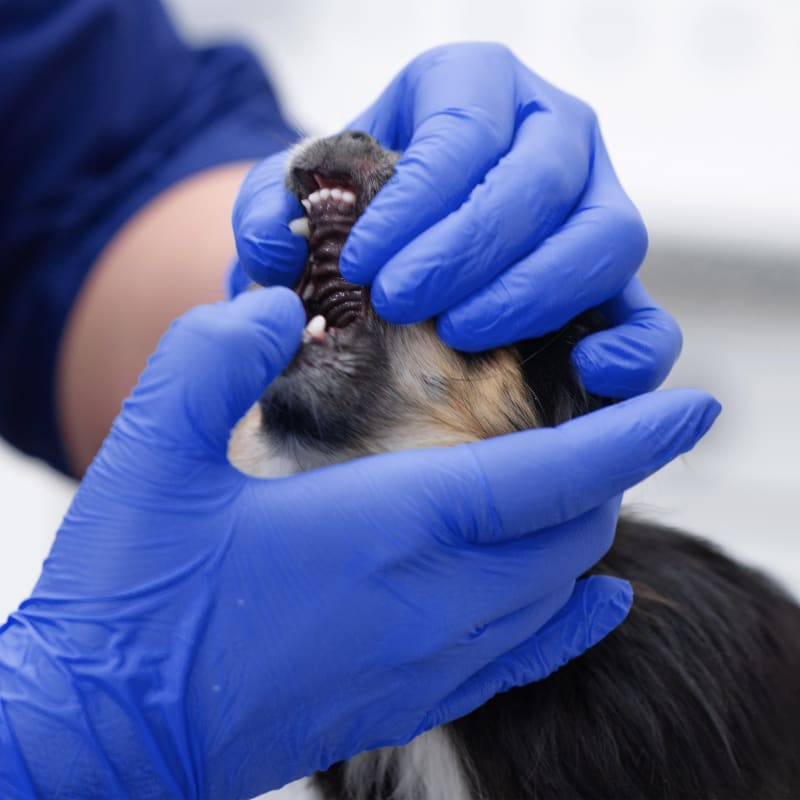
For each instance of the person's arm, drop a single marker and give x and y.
(121, 151)
(170, 256)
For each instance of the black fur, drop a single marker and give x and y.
(696, 696)
(342, 405)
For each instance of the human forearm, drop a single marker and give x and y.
(94, 134)
(170, 256)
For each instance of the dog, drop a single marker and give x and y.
(696, 696)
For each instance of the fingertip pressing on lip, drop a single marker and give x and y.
(381, 304)
(270, 253)
(363, 253)
(488, 318)
(395, 307)
(276, 307)
(430, 182)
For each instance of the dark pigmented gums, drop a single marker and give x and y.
(322, 286)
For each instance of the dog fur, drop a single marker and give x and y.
(696, 696)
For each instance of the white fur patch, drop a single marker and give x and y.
(299, 790)
(428, 768)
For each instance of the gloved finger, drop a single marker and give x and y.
(541, 478)
(16, 780)
(268, 251)
(210, 367)
(636, 354)
(597, 606)
(427, 85)
(509, 575)
(237, 280)
(587, 261)
(474, 589)
(523, 199)
(527, 574)
(460, 126)
(503, 633)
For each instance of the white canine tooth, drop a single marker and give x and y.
(308, 291)
(348, 197)
(315, 328)
(299, 227)
(306, 204)
(313, 198)
(336, 193)
(316, 324)
(324, 193)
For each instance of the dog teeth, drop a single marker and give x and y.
(299, 227)
(308, 291)
(315, 329)
(336, 193)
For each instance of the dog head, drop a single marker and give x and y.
(359, 385)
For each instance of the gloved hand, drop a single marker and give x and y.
(200, 633)
(504, 218)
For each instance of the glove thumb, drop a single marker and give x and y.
(212, 364)
(268, 251)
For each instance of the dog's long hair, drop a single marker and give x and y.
(696, 696)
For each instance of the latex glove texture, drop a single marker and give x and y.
(200, 633)
(504, 219)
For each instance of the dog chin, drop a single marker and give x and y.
(379, 388)
(333, 395)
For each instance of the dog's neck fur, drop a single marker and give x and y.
(430, 398)
(428, 768)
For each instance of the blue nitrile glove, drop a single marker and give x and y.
(200, 633)
(505, 219)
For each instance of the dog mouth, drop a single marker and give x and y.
(332, 304)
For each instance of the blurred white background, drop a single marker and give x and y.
(698, 103)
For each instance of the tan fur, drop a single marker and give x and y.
(426, 394)
(445, 401)
(461, 403)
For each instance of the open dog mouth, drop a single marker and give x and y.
(331, 303)
(334, 178)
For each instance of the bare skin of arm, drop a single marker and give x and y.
(171, 255)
